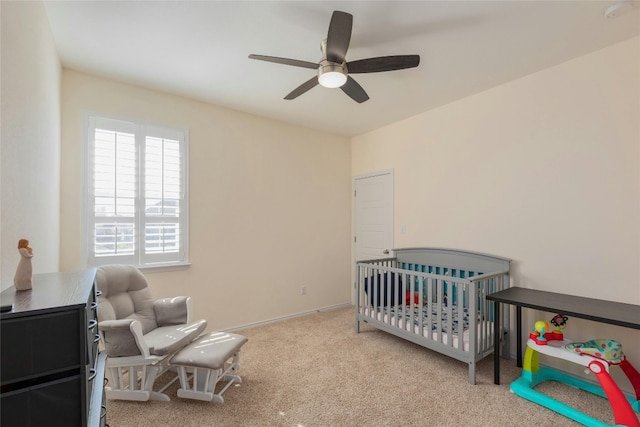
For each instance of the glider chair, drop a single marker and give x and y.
(140, 335)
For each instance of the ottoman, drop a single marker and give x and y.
(211, 358)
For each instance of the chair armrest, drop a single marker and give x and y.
(123, 337)
(172, 311)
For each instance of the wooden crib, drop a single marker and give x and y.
(435, 298)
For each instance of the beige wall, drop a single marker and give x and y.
(544, 170)
(269, 204)
(30, 136)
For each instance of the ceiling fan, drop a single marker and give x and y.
(334, 70)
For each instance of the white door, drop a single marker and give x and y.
(373, 215)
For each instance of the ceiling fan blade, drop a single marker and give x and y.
(339, 36)
(309, 84)
(354, 90)
(383, 63)
(285, 61)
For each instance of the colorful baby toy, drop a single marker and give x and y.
(597, 355)
(541, 334)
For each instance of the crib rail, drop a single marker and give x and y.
(441, 308)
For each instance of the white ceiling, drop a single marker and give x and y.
(200, 49)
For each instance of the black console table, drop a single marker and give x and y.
(613, 313)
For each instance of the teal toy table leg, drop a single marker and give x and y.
(624, 408)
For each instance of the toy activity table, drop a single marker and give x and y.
(598, 355)
(613, 313)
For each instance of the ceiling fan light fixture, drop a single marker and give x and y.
(332, 75)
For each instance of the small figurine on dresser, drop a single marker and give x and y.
(22, 279)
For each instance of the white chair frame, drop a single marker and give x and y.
(200, 383)
(133, 377)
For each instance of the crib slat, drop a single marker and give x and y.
(449, 309)
(473, 313)
(417, 285)
(399, 302)
(374, 289)
(440, 296)
(405, 288)
(461, 307)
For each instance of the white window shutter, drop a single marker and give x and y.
(136, 193)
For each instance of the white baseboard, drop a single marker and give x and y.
(290, 316)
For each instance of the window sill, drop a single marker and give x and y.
(160, 268)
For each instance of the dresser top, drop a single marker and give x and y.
(50, 291)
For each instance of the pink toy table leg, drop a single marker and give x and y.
(633, 375)
(622, 411)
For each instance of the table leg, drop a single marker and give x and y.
(519, 335)
(496, 342)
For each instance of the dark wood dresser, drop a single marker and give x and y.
(51, 372)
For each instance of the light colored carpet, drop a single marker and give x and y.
(315, 370)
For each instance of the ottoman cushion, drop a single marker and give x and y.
(210, 350)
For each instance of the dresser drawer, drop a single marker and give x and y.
(51, 404)
(24, 343)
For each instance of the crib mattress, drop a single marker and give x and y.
(431, 332)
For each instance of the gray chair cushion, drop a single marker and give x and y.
(210, 350)
(119, 341)
(167, 339)
(171, 311)
(125, 295)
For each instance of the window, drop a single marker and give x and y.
(135, 193)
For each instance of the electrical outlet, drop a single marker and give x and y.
(303, 290)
